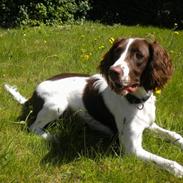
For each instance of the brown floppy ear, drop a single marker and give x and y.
(158, 70)
(110, 57)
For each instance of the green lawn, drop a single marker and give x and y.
(30, 55)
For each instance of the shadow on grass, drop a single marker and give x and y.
(74, 138)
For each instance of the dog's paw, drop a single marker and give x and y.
(39, 131)
(180, 142)
(46, 136)
(175, 168)
(181, 145)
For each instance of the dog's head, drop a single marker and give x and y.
(134, 62)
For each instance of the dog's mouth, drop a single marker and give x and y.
(123, 88)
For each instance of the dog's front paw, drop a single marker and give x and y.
(175, 168)
(178, 139)
(180, 142)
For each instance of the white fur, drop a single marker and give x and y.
(130, 121)
(17, 96)
(130, 132)
(123, 64)
(58, 95)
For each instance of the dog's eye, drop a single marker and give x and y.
(139, 55)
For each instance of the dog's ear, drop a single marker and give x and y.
(159, 68)
(109, 57)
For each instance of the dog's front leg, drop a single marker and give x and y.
(173, 136)
(131, 138)
(169, 165)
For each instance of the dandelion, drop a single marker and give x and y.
(101, 47)
(86, 56)
(176, 33)
(111, 40)
(157, 91)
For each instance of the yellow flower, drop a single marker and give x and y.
(111, 40)
(157, 91)
(176, 32)
(101, 47)
(86, 56)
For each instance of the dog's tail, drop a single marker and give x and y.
(16, 95)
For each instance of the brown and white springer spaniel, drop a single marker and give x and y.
(119, 100)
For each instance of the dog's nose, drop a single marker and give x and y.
(115, 73)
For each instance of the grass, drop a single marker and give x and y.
(30, 55)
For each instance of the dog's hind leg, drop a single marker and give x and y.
(47, 114)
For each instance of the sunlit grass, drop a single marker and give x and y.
(30, 55)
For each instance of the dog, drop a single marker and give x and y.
(119, 100)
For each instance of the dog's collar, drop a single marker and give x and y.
(132, 99)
